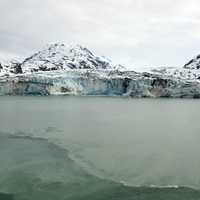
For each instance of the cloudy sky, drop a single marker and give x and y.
(136, 33)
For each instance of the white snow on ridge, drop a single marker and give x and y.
(177, 72)
(74, 70)
(60, 56)
(8, 67)
(193, 64)
(190, 71)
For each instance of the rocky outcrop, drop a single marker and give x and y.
(62, 57)
(11, 67)
(61, 70)
(193, 64)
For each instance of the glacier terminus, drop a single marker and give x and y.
(74, 70)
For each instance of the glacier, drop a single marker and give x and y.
(107, 83)
(64, 70)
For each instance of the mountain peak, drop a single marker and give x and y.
(59, 56)
(194, 63)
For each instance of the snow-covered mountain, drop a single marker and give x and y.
(10, 67)
(193, 64)
(62, 57)
(177, 72)
(74, 70)
(190, 71)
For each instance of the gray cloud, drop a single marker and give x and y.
(136, 33)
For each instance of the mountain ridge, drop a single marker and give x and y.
(63, 70)
(58, 56)
(61, 57)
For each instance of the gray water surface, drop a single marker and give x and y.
(137, 142)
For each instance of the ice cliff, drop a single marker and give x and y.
(67, 70)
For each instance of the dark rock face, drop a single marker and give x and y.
(159, 82)
(190, 62)
(64, 89)
(125, 84)
(13, 67)
(193, 63)
(18, 68)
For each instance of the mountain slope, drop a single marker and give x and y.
(61, 57)
(193, 64)
(9, 67)
(74, 70)
(190, 71)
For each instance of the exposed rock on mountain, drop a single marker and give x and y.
(193, 64)
(61, 57)
(11, 67)
(61, 70)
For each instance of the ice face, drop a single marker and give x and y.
(108, 83)
(74, 70)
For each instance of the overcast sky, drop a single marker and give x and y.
(136, 33)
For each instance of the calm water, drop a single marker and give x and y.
(99, 148)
